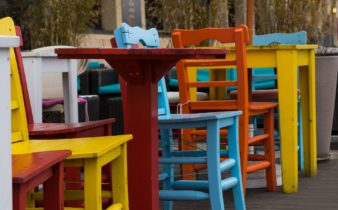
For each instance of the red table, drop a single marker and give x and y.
(142, 68)
(30, 170)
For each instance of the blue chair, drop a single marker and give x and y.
(211, 188)
(265, 78)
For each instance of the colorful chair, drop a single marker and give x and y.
(90, 153)
(211, 188)
(219, 102)
(263, 77)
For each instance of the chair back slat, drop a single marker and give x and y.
(299, 37)
(128, 37)
(19, 121)
(237, 36)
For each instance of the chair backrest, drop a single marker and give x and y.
(264, 78)
(129, 37)
(239, 37)
(19, 121)
(280, 38)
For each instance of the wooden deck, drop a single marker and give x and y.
(315, 193)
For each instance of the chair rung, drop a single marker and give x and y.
(258, 139)
(207, 62)
(116, 206)
(183, 160)
(178, 195)
(204, 132)
(212, 84)
(226, 184)
(256, 157)
(227, 164)
(258, 166)
(162, 176)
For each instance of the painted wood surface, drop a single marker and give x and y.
(142, 71)
(6, 42)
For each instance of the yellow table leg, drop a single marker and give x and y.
(308, 101)
(287, 98)
(92, 184)
(120, 179)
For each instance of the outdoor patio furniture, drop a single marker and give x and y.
(31, 170)
(264, 80)
(188, 84)
(90, 153)
(141, 69)
(289, 60)
(126, 37)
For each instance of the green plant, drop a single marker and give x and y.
(50, 22)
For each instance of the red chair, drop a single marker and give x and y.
(31, 170)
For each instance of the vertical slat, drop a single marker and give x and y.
(5, 122)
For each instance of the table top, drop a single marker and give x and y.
(140, 53)
(26, 166)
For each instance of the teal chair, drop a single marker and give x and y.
(211, 188)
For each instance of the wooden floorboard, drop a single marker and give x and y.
(315, 193)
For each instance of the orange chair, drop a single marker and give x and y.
(188, 85)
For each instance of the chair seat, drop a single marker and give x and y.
(81, 147)
(37, 129)
(27, 166)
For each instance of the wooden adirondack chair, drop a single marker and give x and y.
(239, 37)
(90, 153)
(126, 37)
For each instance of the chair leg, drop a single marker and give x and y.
(243, 146)
(269, 150)
(120, 179)
(19, 197)
(53, 189)
(300, 139)
(92, 184)
(167, 149)
(187, 170)
(214, 172)
(235, 171)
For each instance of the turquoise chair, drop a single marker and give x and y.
(213, 187)
(265, 78)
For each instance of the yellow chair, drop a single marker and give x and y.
(90, 153)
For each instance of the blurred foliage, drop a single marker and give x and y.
(50, 22)
(186, 14)
(313, 16)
